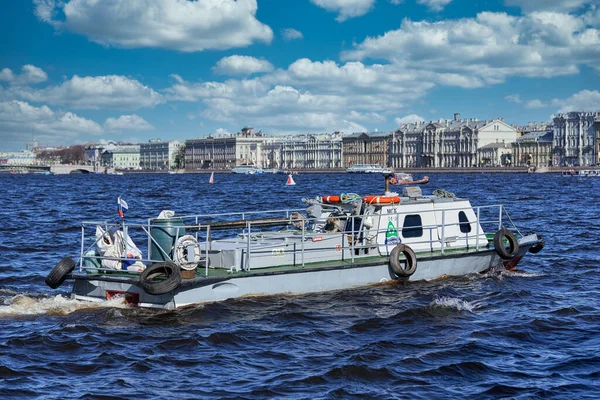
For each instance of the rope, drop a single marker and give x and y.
(511, 221)
(444, 194)
(347, 198)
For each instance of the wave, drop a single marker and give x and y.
(451, 302)
(21, 304)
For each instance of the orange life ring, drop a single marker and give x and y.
(331, 199)
(381, 199)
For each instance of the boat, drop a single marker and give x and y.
(407, 179)
(588, 173)
(271, 171)
(247, 169)
(335, 242)
(368, 169)
(538, 170)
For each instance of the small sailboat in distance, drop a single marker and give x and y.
(212, 178)
(290, 180)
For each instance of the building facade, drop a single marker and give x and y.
(448, 143)
(534, 149)
(157, 155)
(366, 148)
(18, 158)
(305, 151)
(309, 151)
(597, 126)
(575, 139)
(225, 151)
(122, 157)
(499, 154)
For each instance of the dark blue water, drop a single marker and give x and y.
(534, 333)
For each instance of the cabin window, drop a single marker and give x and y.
(413, 226)
(463, 222)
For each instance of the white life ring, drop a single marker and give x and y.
(181, 254)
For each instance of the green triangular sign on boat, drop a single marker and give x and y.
(391, 231)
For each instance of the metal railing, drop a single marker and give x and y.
(359, 237)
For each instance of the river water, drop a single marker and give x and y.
(532, 333)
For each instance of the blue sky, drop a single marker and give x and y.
(75, 71)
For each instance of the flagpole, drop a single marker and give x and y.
(122, 215)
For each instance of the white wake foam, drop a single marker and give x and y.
(452, 302)
(58, 305)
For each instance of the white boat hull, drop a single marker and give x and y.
(302, 280)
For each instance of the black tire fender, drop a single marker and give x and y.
(513, 244)
(59, 273)
(397, 266)
(537, 247)
(161, 278)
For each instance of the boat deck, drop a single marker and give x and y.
(218, 274)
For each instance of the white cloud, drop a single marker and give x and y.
(369, 116)
(396, 2)
(585, 100)
(308, 96)
(7, 75)
(291, 34)
(554, 5)
(30, 74)
(172, 24)
(221, 131)
(485, 50)
(513, 98)
(127, 123)
(536, 103)
(346, 9)
(19, 119)
(408, 119)
(111, 91)
(241, 65)
(435, 5)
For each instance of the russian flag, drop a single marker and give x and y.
(122, 206)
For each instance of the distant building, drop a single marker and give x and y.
(534, 149)
(575, 138)
(499, 154)
(122, 157)
(597, 126)
(366, 148)
(531, 127)
(448, 143)
(225, 151)
(157, 154)
(308, 151)
(18, 158)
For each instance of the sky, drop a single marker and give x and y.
(79, 71)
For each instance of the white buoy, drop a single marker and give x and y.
(212, 178)
(290, 180)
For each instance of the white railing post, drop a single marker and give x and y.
(352, 244)
(443, 230)
(303, 237)
(207, 243)
(82, 248)
(248, 249)
(149, 238)
(477, 229)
